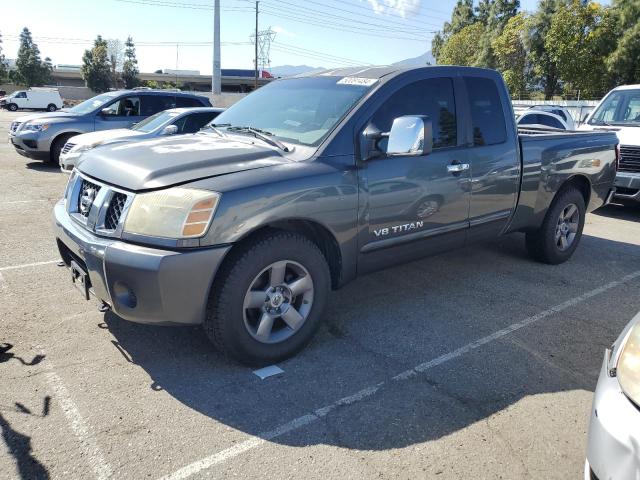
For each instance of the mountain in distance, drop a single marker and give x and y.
(419, 61)
(290, 70)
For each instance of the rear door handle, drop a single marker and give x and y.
(457, 167)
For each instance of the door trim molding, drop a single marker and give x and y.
(491, 217)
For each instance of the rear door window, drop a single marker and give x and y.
(196, 121)
(487, 115)
(188, 102)
(550, 121)
(152, 104)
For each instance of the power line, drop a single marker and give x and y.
(171, 4)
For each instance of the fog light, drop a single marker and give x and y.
(124, 295)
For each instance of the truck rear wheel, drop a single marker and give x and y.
(267, 300)
(51, 107)
(561, 230)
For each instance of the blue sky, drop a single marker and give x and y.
(313, 32)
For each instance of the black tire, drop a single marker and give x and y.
(542, 244)
(12, 107)
(51, 108)
(224, 324)
(56, 149)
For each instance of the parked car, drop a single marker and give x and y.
(168, 122)
(614, 431)
(619, 112)
(541, 118)
(558, 110)
(42, 136)
(33, 99)
(310, 181)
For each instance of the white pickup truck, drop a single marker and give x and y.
(619, 111)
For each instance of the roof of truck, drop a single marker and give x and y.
(380, 71)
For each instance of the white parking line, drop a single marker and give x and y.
(27, 265)
(256, 441)
(82, 430)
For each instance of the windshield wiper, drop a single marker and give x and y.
(261, 134)
(212, 126)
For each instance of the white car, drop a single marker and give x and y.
(541, 118)
(33, 99)
(619, 111)
(558, 110)
(613, 446)
(168, 122)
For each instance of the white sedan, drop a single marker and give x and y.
(613, 447)
(541, 118)
(168, 122)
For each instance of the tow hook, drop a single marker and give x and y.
(104, 307)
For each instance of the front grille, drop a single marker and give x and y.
(85, 189)
(115, 211)
(68, 146)
(629, 159)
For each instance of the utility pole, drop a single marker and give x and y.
(255, 85)
(216, 78)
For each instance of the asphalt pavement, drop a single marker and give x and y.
(479, 363)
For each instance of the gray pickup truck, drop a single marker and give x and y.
(311, 181)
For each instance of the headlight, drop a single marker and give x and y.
(35, 127)
(83, 148)
(628, 367)
(173, 213)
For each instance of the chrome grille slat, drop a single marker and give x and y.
(86, 185)
(68, 146)
(114, 212)
(629, 159)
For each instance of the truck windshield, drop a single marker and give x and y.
(149, 124)
(299, 110)
(90, 105)
(621, 107)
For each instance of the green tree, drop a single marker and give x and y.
(4, 71)
(461, 17)
(96, 68)
(130, 66)
(463, 47)
(511, 55)
(623, 63)
(581, 37)
(544, 68)
(30, 70)
(499, 13)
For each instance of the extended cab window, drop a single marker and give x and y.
(487, 116)
(433, 97)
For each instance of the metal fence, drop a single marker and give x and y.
(577, 108)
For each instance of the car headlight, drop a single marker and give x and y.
(628, 365)
(77, 149)
(173, 213)
(35, 127)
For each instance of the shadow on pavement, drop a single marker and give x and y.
(43, 166)
(630, 211)
(19, 447)
(395, 320)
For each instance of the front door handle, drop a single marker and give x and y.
(457, 167)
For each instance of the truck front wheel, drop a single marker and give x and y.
(267, 300)
(561, 230)
(12, 107)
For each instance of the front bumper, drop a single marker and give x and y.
(68, 161)
(628, 186)
(613, 448)
(30, 145)
(141, 284)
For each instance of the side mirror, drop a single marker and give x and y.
(410, 135)
(105, 112)
(170, 130)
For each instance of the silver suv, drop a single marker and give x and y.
(42, 136)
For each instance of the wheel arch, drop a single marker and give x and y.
(60, 136)
(582, 183)
(317, 233)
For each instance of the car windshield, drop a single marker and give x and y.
(154, 121)
(299, 110)
(91, 104)
(621, 107)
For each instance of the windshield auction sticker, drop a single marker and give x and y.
(358, 81)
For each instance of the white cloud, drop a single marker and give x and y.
(403, 8)
(283, 31)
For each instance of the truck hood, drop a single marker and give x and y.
(626, 135)
(162, 162)
(103, 136)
